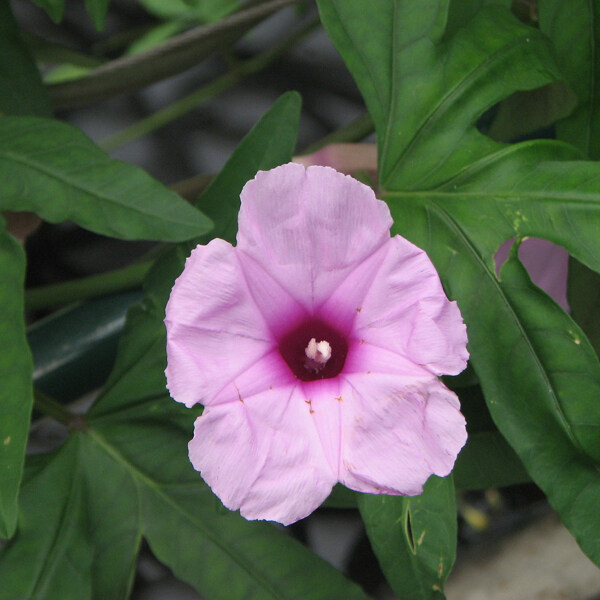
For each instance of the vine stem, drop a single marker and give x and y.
(93, 286)
(51, 408)
(216, 87)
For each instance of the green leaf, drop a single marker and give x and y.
(538, 372)
(583, 293)
(574, 28)
(21, 89)
(97, 10)
(53, 169)
(79, 534)
(270, 143)
(156, 36)
(54, 8)
(218, 552)
(74, 349)
(488, 461)
(462, 11)
(16, 369)
(342, 497)
(524, 113)
(275, 134)
(425, 112)
(414, 538)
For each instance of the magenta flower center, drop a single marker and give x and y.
(314, 350)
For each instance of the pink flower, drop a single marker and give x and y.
(315, 346)
(546, 263)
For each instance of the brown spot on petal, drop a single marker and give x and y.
(362, 341)
(339, 399)
(359, 309)
(238, 393)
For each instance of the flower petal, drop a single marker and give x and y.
(323, 396)
(364, 358)
(214, 329)
(308, 228)
(398, 431)
(263, 456)
(406, 310)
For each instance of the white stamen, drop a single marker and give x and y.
(317, 353)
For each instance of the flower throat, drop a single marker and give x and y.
(314, 350)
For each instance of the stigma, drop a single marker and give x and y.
(317, 355)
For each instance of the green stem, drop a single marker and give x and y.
(209, 91)
(51, 408)
(89, 287)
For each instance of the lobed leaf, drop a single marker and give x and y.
(79, 534)
(574, 29)
(218, 552)
(537, 370)
(425, 93)
(459, 195)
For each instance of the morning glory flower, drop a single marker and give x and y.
(315, 346)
